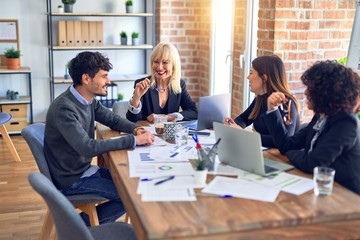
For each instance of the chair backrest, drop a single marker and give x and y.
(69, 224)
(120, 108)
(34, 136)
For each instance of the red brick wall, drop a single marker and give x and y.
(302, 32)
(186, 24)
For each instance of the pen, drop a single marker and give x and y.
(229, 121)
(164, 180)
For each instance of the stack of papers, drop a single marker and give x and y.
(166, 174)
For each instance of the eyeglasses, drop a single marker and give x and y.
(286, 113)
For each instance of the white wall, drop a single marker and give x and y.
(31, 16)
(33, 45)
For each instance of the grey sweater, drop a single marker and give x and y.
(69, 143)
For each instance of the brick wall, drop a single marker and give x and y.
(186, 24)
(302, 32)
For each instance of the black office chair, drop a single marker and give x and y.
(34, 136)
(69, 224)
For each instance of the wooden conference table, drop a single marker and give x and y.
(297, 217)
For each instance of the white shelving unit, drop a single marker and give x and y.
(145, 26)
(22, 115)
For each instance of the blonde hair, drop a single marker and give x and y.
(169, 52)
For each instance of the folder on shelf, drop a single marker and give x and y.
(92, 33)
(77, 33)
(62, 33)
(70, 33)
(99, 33)
(85, 33)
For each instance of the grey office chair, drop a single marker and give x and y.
(5, 118)
(120, 108)
(69, 224)
(34, 136)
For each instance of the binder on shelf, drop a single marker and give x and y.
(99, 33)
(77, 33)
(70, 33)
(85, 33)
(92, 33)
(62, 33)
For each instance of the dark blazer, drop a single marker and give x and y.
(150, 104)
(338, 146)
(259, 122)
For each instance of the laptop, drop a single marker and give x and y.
(241, 148)
(211, 109)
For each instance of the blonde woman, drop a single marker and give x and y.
(163, 92)
(267, 75)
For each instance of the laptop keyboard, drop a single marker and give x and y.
(270, 169)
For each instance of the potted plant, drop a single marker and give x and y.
(13, 58)
(200, 172)
(129, 6)
(123, 38)
(68, 5)
(135, 38)
(120, 96)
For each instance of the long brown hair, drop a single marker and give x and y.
(271, 70)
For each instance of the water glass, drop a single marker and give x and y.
(181, 135)
(323, 180)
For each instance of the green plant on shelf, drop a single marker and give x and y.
(12, 53)
(123, 34)
(135, 35)
(120, 96)
(128, 2)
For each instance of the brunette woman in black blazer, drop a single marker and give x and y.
(332, 138)
(163, 92)
(267, 75)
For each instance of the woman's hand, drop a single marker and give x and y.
(140, 89)
(150, 118)
(230, 122)
(275, 100)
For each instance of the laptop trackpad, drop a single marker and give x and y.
(278, 165)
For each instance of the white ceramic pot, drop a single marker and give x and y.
(200, 176)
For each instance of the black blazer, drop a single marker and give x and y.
(260, 125)
(338, 146)
(150, 104)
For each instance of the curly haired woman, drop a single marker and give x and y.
(332, 138)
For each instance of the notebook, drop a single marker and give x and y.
(211, 109)
(241, 148)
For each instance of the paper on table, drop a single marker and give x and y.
(155, 154)
(168, 195)
(150, 170)
(286, 182)
(241, 188)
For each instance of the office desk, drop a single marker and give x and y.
(302, 217)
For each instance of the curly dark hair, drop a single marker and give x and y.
(89, 63)
(331, 87)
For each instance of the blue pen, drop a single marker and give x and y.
(226, 196)
(164, 180)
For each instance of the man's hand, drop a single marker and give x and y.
(144, 138)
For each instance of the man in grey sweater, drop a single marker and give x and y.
(69, 135)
